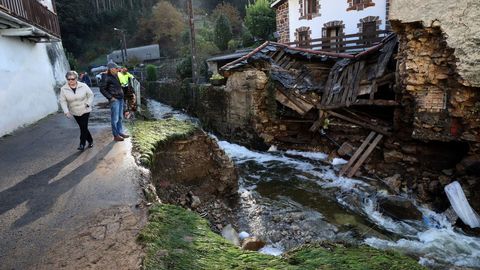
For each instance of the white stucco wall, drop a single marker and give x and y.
(47, 3)
(334, 10)
(28, 77)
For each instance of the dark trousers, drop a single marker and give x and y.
(82, 122)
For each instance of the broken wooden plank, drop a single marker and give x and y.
(280, 97)
(279, 56)
(362, 124)
(297, 104)
(365, 155)
(357, 154)
(319, 123)
(376, 102)
(290, 64)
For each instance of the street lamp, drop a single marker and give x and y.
(124, 44)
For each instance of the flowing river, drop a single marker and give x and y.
(291, 198)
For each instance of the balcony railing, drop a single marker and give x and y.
(34, 13)
(344, 43)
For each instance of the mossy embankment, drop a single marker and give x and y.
(177, 238)
(148, 135)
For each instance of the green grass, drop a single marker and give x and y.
(176, 238)
(148, 135)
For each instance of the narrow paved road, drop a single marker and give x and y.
(61, 208)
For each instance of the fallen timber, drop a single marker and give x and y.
(329, 83)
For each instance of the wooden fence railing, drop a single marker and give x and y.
(34, 13)
(344, 43)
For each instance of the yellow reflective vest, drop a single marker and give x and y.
(124, 77)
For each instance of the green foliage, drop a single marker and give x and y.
(151, 71)
(168, 24)
(231, 12)
(176, 238)
(234, 44)
(147, 135)
(260, 19)
(184, 69)
(247, 38)
(72, 61)
(223, 32)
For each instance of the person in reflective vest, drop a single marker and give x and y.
(125, 79)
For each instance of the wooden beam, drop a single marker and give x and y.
(362, 124)
(365, 155)
(357, 154)
(285, 101)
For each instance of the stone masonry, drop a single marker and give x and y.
(283, 25)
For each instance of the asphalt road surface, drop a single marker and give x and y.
(62, 208)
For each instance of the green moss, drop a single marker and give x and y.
(180, 239)
(148, 135)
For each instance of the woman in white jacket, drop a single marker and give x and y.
(76, 99)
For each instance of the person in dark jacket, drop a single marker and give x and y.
(110, 88)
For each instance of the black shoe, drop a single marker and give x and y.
(81, 147)
(90, 145)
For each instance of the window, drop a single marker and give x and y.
(303, 39)
(369, 31)
(309, 9)
(332, 36)
(359, 4)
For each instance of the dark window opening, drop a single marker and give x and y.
(331, 33)
(369, 32)
(304, 39)
(310, 7)
(384, 92)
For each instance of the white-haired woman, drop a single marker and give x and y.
(76, 99)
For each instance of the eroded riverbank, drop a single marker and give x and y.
(294, 198)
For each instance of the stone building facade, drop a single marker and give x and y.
(438, 80)
(283, 25)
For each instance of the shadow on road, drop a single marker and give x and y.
(41, 195)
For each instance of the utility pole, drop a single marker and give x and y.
(192, 40)
(124, 49)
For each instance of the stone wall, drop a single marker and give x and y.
(283, 24)
(458, 19)
(444, 109)
(439, 118)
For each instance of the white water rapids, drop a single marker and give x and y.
(438, 245)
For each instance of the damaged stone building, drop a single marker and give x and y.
(404, 108)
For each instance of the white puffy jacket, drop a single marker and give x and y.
(77, 103)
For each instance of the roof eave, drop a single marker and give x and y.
(276, 3)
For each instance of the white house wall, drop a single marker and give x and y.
(334, 10)
(29, 74)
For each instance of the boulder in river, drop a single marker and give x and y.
(399, 208)
(231, 235)
(253, 244)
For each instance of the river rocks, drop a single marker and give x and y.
(399, 208)
(394, 182)
(231, 235)
(195, 201)
(253, 244)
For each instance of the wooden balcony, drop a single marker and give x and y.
(32, 13)
(346, 43)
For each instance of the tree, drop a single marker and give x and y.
(260, 19)
(231, 12)
(223, 32)
(168, 24)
